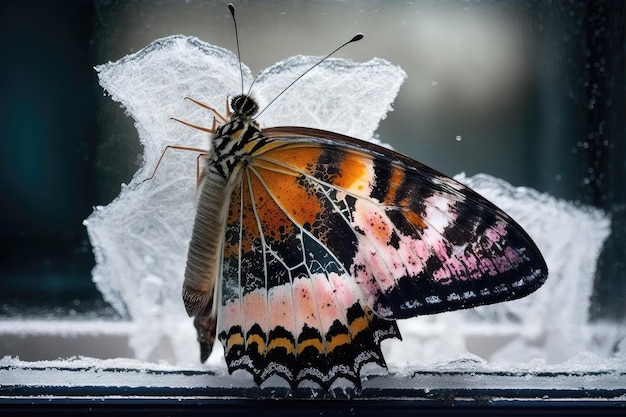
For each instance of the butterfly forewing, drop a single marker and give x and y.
(416, 241)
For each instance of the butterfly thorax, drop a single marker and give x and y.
(235, 141)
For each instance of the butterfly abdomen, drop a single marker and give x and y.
(206, 241)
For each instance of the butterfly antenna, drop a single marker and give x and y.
(231, 8)
(355, 38)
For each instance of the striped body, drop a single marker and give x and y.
(308, 244)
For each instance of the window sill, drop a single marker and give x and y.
(130, 386)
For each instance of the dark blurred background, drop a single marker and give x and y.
(531, 92)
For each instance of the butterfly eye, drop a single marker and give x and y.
(244, 105)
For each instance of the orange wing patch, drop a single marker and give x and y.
(288, 198)
(353, 174)
(396, 179)
(298, 157)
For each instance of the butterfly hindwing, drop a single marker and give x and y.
(288, 305)
(328, 239)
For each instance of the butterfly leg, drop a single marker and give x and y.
(210, 130)
(200, 173)
(182, 148)
(223, 119)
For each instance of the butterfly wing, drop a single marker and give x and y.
(424, 242)
(328, 239)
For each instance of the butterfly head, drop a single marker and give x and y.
(244, 106)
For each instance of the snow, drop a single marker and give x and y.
(585, 371)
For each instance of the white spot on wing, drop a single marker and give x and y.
(454, 297)
(433, 299)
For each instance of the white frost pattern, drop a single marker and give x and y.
(141, 238)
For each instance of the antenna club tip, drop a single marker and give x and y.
(357, 37)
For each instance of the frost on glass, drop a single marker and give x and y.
(140, 239)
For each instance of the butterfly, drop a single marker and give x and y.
(307, 245)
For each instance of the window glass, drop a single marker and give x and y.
(531, 93)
